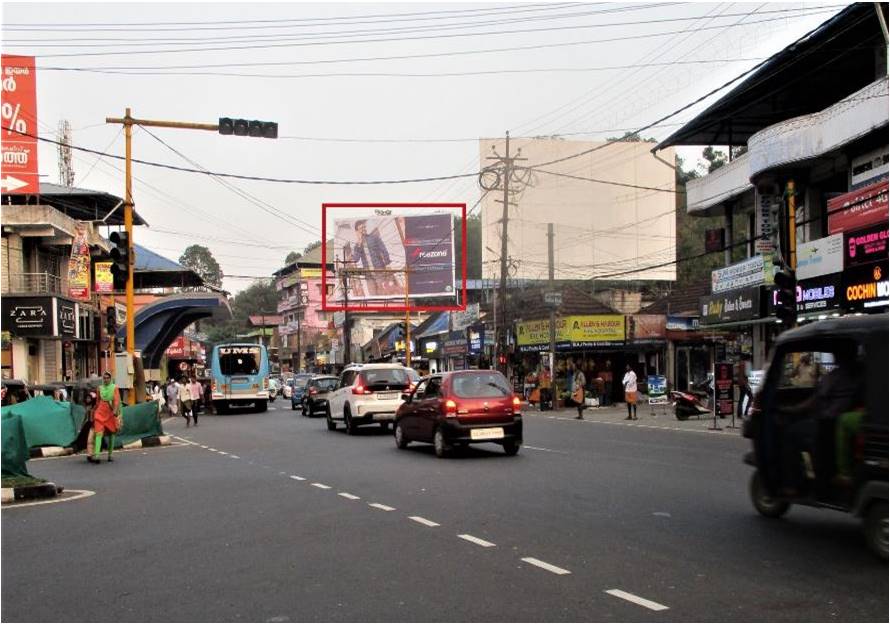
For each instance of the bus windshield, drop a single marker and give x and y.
(239, 360)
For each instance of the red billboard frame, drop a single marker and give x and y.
(400, 307)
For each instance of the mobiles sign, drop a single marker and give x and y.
(19, 113)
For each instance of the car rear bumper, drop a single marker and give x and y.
(456, 432)
(378, 410)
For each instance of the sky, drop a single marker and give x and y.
(361, 92)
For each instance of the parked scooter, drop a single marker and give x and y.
(695, 402)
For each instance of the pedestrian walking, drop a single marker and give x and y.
(106, 418)
(630, 392)
(173, 397)
(544, 383)
(185, 400)
(606, 375)
(196, 392)
(208, 397)
(578, 394)
(157, 395)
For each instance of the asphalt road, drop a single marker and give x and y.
(270, 517)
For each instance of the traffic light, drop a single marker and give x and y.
(248, 128)
(120, 259)
(786, 297)
(111, 321)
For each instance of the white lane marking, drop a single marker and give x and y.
(555, 451)
(348, 496)
(664, 514)
(298, 478)
(203, 446)
(57, 499)
(546, 566)
(478, 541)
(657, 607)
(380, 506)
(212, 449)
(321, 486)
(223, 453)
(239, 458)
(423, 521)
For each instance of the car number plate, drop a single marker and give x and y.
(387, 395)
(486, 433)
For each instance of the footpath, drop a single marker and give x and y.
(659, 417)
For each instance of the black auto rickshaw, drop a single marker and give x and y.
(819, 423)
(14, 392)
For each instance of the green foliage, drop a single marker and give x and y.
(259, 297)
(632, 137)
(292, 258)
(311, 246)
(474, 247)
(200, 260)
(715, 158)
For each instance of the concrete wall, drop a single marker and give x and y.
(600, 228)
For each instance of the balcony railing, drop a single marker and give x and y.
(42, 283)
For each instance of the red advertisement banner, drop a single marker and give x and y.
(19, 115)
(858, 209)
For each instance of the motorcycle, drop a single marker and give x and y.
(695, 402)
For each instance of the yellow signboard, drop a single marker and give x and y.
(310, 273)
(582, 329)
(104, 279)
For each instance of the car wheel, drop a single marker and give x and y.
(875, 527)
(293, 406)
(384, 426)
(681, 414)
(399, 435)
(439, 444)
(331, 425)
(303, 409)
(511, 448)
(350, 424)
(764, 503)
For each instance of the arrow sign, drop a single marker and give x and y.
(11, 184)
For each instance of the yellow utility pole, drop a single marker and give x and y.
(792, 225)
(128, 122)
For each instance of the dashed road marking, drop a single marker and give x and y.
(478, 541)
(211, 449)
(546, 566)
(298, 478)
(381, 506)
(664, 514)
(348, 496)
(423, 521)
(203, 446)
(555, 451)
(223, 453)
(321, 486)
(236, 457)
(657, 607)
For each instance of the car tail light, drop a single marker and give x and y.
(313, 391)
(213, 386)
(410, 388)
(450, 406)
(517, 404)
(359, 388)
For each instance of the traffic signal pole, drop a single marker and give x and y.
(239, 127)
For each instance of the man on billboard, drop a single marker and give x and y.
(371, 252)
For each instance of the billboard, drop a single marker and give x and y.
(576, 331)
(378, 251)
(104, 280)
(19, 108)
(858, 209)
(79, 265)
(749, 272)
(820, 257)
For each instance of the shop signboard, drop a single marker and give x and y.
(857, 209)
(79, 265)
(820, 257)
(734, 306)
(176, 349)
(765, 243)
(19, 143)
(310, 273)
(864, 246)
(48, 317)
(475, 340)
(818, 294)
(461, 319)
(572, 332)
(104, 281)
(752, 271)
(673, 322)
(865, 287)
(723, 382)
(643, 329)
(456, 343)
(430, 347)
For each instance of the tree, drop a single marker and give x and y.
(632, 137)
(292, 258)
(260, 297)
(200, 260)
(715, 158)
(311, 246)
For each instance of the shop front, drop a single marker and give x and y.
(455, 350)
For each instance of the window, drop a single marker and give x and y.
(385, 376)
(241, 363)
(420, 390)
(481, 385)
(347, 378)
(804, 369)
(433, 389)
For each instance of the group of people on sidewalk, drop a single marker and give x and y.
(185, 397)
(538, 388)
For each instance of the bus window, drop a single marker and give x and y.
(240, 364)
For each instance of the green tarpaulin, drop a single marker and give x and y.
(15, 451)
(45, 421)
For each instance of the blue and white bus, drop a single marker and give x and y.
(239, 376)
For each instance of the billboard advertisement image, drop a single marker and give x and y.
(373, 254)
(19, 144)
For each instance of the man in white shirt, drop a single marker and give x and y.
(630, 392)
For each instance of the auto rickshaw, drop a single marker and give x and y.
(14, 392)
(819, 424)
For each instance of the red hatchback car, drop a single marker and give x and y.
(459, 408)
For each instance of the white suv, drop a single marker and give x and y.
(367, 394)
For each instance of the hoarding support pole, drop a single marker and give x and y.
(128, 225)
(551, 270)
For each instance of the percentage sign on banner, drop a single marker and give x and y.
(11, 119)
